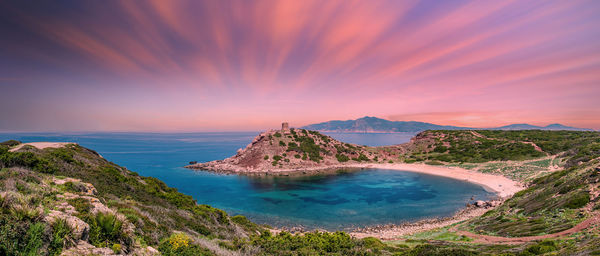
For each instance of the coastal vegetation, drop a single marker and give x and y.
(48, 195)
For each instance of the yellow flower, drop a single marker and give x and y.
(179, 240)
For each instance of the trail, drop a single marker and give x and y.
(535, 146)
(518, 240)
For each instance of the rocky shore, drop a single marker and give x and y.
(393, 231)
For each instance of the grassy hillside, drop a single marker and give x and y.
(486, 145)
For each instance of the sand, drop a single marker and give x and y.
(502, 186)
(41, 145)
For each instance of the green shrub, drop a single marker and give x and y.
(277, 134)
(245, 223)
(34, 238)
(10, 143)
(106, 229)
(342, 158)
(266, 157)
(82, 205)
(542, 247)
(440, 149)
(578, 200)
(281, 143)
(116, 248)
(434, 163)
(361, 158)
(60, 239)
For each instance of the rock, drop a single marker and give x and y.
(193, 162)
(147, 251)
(480, 203)
(79, 227)
(84, 248)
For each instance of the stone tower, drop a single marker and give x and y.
(285, 126)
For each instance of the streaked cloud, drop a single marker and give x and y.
(213, 64)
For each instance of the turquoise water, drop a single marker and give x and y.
(332, 202)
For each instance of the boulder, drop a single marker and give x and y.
(480, 203)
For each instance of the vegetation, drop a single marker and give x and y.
(144, 211)
(307, 146)
(147, 205)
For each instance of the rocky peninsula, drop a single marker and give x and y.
(290, 151)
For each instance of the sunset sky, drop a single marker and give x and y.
(248, 65)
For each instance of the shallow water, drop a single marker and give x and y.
(336, 201)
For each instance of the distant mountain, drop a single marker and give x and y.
(374, 124)
(553, 127)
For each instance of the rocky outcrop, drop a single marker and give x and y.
(297, 150)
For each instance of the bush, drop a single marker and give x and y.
(578, 200)
(82, 205)
(542, 247)
(180, 244)
(60, 239)
(342, 158)
(105, 229)
(361, 158)
(314, 243)
(34, 239)
(281, 143)
(10, 143)
(245, 223)
(440, 149)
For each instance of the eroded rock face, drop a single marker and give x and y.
(79, 227)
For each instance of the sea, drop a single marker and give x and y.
(340, 201)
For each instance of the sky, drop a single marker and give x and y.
(184, 66)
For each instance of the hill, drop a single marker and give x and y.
(374, 124)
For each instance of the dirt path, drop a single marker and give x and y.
(536, 147)
(518, 240)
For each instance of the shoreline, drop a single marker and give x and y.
(503, 187)
(395, 231)
(500, 185)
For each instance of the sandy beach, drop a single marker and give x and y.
(502, 186)
(41, 145)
